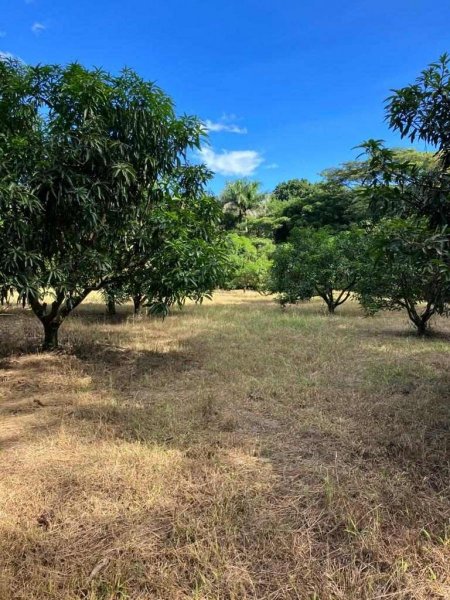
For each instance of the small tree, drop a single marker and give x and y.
(318, 263)
(402, 272)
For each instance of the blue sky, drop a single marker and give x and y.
(289, 87)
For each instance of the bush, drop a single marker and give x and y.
(249, 262)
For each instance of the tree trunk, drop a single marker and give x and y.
(137, 301)
(421, 327)
(328, 298)
(51, 329)
(420, 320)
(111, 305)
(422, 323)
(52, 316)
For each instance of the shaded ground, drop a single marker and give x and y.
(232, 451)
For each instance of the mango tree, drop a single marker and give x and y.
(403, 272)
(86, 157)
(318, 263)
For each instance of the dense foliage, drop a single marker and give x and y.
(299, 203)
(318, 263)
(249, 262)
(94, 182)
(402, 271)
(97, 193)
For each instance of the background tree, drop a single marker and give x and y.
(100, 152)
(299, 203)
(354, 173)
(249, 262)
(357, 175)
(318, 263)
(293, 188)
(326, 205)
(401, 271)
(239, 197)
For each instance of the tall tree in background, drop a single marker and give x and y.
(299, 203)
(239, 197)
(293, 188)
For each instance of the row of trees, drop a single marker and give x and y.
(97, 193)
(389, 267)
(375, 228)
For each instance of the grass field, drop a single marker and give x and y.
(233, 451)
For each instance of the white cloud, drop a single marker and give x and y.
(232, 162)
(38, 28)
(272, 166)
(9, 56)
(223, 126)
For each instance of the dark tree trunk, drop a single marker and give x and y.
(5, 295)
(137, 301)
(51, 329)
(421, 327)
(52, 316)
(420, 320)
(111, 305)
(329, 301)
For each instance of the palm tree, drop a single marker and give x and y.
(240, 196)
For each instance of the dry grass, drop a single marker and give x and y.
(234, 451)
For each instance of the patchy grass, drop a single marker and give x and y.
(233, 451)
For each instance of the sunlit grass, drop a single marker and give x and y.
(232, 451)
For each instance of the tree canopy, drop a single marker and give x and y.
(318, 263)
(94, 176)
(240, 197)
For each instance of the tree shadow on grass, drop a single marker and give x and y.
(142, 395)
(91, 314)
(371, 329)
